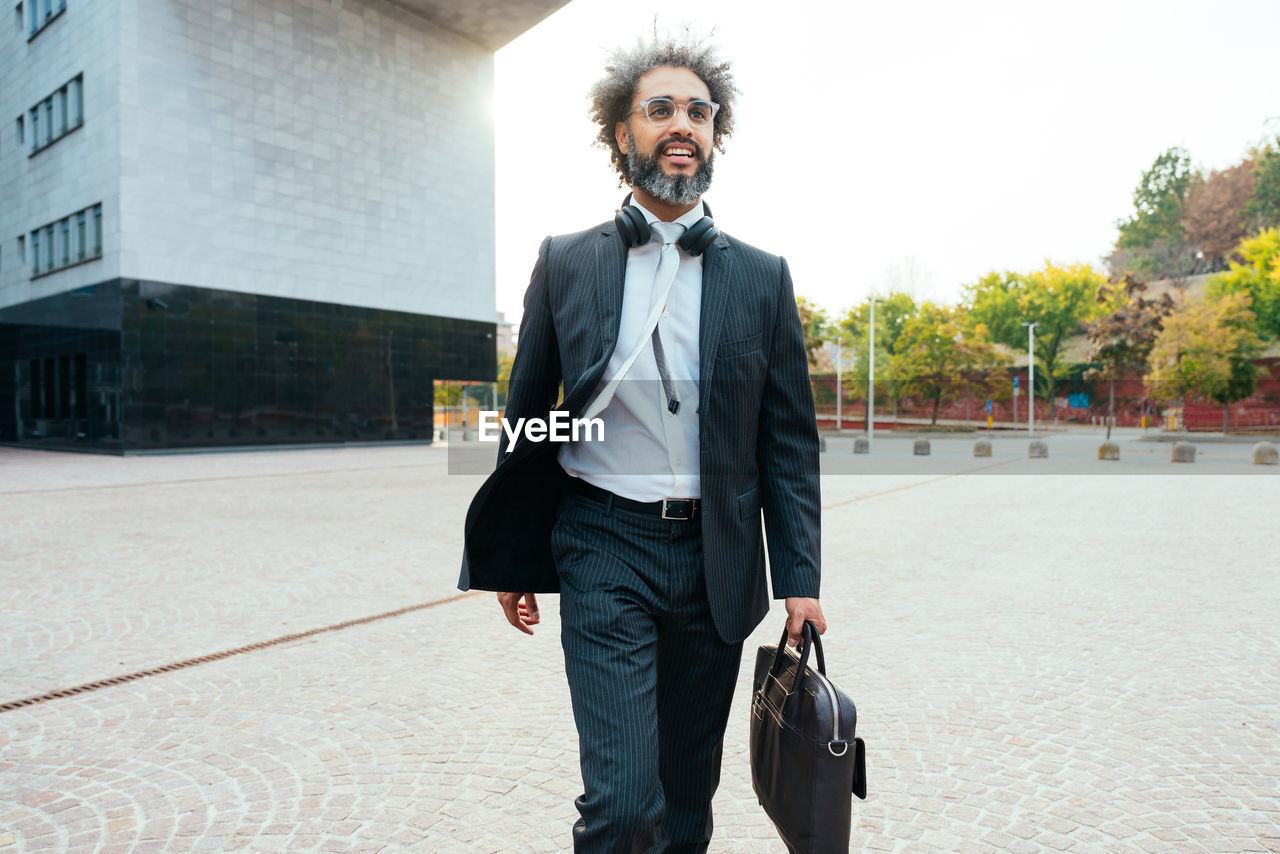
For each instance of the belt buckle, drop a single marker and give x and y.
(690, 505)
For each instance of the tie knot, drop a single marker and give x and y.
(666, 232)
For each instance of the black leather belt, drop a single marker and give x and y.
(674, 509)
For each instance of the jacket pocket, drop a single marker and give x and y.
(749, 504)
(739, 346)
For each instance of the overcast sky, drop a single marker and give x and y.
(889, 144)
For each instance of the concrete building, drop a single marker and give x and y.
(239, 222)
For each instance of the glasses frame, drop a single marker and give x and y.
(644, 106)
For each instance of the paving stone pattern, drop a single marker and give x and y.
(1041, 663)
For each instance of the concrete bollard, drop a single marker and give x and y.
(822, 444)
(1038, 450)
(1183, 452)
(982, 448)
(1265, 454)
(861, 445)
(921, 448)
(1108, 451)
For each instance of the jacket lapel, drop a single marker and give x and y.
(717, 266)
(610, 275)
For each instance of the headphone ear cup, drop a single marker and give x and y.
(700, 236)
(632, 226)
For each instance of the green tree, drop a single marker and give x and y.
(1059, 299)
(1152, 243)
(814, 322)
(1157, 201)
(1122, 339)
(1263, 207)
(1207, 348)
(934, 357)
(892, 312)
(1258, 276)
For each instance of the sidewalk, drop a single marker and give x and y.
(1041, 662)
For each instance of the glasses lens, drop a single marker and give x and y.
(699, 113)
(660, 110)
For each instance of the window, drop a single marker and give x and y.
(57, 115)
(20, 129)
(42, 13)
(71, 240)
(22, 249)
(76, 97)
(17, 15)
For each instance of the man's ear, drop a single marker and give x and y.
(620, 134)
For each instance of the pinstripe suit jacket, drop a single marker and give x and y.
(758, 437)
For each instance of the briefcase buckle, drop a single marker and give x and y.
(831, 748)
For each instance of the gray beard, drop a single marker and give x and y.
(672, 189)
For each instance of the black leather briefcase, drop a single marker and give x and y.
(806, 762)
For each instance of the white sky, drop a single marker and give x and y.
(910, 143)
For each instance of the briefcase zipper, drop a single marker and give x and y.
(835, 716)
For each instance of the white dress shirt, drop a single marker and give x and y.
(648, 453)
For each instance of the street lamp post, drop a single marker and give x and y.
(839, 393)
(871, 377)
(1031, 376)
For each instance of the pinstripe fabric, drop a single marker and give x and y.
(758, 442)
(650, 678)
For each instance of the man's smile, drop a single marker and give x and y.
(680, 153)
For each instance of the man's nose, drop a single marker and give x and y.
(681, 124)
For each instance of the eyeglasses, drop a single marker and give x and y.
(662, 111)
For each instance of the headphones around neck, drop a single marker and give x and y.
(634, 229)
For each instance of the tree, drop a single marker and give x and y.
(1258, 275)
(1213, 217)
(1122, 339)
(1158, 201)
(1057, 298)
(892, 312)
(1207, 348)
(1263, 208)
(1151, 243)
(813, 320)
(934, 356)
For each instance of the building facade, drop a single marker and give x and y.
(244, 222)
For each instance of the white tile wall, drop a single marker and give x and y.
(333, 150)
(78, 170)
(322, 150)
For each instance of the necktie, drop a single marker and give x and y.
(668, 263)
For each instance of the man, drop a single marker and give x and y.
(692, 355)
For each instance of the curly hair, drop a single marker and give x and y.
(611, 95)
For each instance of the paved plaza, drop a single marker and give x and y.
(1047, 655)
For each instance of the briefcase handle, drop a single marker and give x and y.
(809, 639)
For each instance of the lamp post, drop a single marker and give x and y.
(1031, 376)
(871, 376)
(839, 393)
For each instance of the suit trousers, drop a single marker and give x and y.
(650, 679)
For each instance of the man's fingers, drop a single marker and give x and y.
(517, 614)
(531, 602)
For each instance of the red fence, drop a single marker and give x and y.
(1259, 412)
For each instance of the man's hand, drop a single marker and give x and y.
(800, 609)
(524, 614)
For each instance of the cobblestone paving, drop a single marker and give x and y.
(1041, 663)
